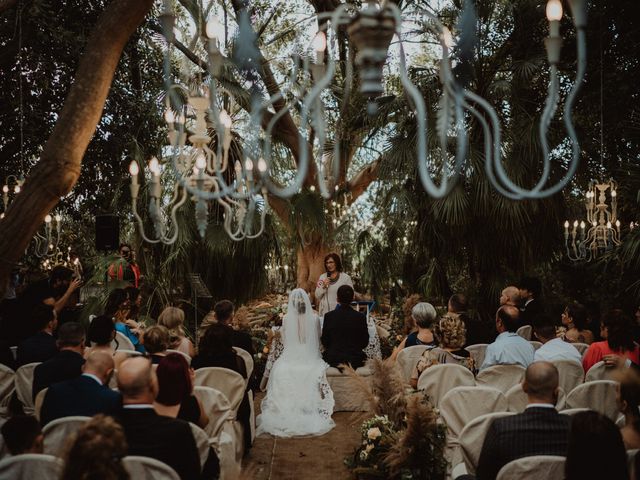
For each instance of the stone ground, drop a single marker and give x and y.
(316, 458)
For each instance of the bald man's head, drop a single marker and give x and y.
(507, 319)
(541, 383)
(510, 296)
(99, 364)
(137, 381)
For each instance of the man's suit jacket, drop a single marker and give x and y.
(530, 311)
(166, 439)
(37, 348)
(81, 396)
(536, 431)
(344, 336)
(64, 366)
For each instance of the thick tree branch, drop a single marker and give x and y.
(59, 167)
(361, 180)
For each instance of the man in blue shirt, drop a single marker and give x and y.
(509, 348)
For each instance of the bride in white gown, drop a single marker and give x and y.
(299, 400)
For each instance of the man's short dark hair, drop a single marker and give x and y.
(60, 273)
(544, 327)
(223, 310)
(345, 294)
(458, 302)
(534, 285)
(20, 433)
(41, 315)
(510, 321)
(70, 334)
(578, 314)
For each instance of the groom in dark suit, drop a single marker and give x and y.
(344, 333)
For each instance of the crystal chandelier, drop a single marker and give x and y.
(603, 232)
(202, 171)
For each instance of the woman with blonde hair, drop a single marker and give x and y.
(451, 335)
(173, 319)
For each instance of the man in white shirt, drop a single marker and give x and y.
(553, 348)
(509, 348)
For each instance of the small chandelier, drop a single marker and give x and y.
(603, 232)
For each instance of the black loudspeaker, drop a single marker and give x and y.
(107, 232)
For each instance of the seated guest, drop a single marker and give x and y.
(476, 330)
(509, 347)
(101, 333)
(628, 397)
(574, 319)
(616, 329)
(175, 395)
(223, 314)
(156, 342)
(530, 289)
(67, 363)
(22, 434)
(85, 395)
(135, 301)
(344, 332)
(424, 315)
(117, 308)
(450, 333)
(539, 430)
(510, 296)
(553, 348)
(148, 434)
(41, 346)
(595, 449)
(173, 319)
(96, 452)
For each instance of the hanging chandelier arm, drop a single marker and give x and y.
(551, 105)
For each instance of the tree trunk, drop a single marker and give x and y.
(310, 264)
(59, 167)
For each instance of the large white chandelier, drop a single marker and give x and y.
(242, 189)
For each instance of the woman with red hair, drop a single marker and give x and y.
(175, 391)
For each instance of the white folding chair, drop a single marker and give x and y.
(525, 332)
(536, 344)
(39, 401)
(7, 387)
(462, 404)
(247, 359)
(477, 352)
(202, 442)
(582, 347)
(538, 467)
(572, 411)
(57, 432)
(24, 386)
(598, 395)
(131, 353)
(631, 462)
(30, 466)
(502, 377)
(122, 342)
(408, 358)
(472, 438)
(437, 380)
(600, 371)
(571, 374)
(518, 400)
(186, 357)
(145, 468)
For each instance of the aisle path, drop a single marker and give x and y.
(316, 458)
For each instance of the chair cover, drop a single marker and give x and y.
(525, 332)
(582, 347)
(248, 360)
(38, 402)
(186, 356)
(123, 342)
(57, 433)
(472, 438)
(463, 404)
(502, 377)
(24, 386)
(7, 387)
(598, 395)
(30, 466)
(348, 393)
(600, 372)
(518, 400)
(538, 467)
(145, 468)
(631, 462)
(536, 344)
(132, 353)
(3, 448)
(477, 351)
(571, 374)
(437, 380)
(573, 411)
(408, 358)
(202, 442)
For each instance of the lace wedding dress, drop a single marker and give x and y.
(299, 400)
